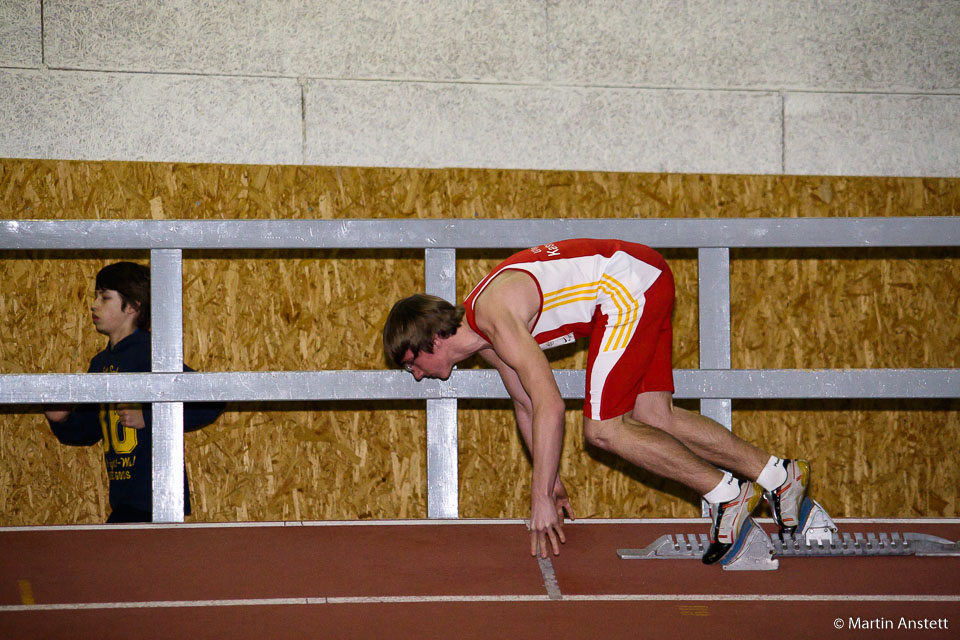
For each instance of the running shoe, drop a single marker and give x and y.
(729, 518)
(786, 501)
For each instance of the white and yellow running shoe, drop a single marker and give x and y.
(728, 522)
(786, 501)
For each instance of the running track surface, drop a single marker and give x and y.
(451, 579)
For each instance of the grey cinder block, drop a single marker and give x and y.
(872, 134)
(102, 116)
(437, 125)
(20, 33)
(848, 45)
(500, 40)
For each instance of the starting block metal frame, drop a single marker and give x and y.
(819, 538)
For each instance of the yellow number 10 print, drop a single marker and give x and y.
(116, 436)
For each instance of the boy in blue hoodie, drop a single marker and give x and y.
(121, 311)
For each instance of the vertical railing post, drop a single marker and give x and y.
(440, 270)
(714, 294)
(166, 302)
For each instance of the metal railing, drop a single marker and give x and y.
(714, 383)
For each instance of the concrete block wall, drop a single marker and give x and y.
(852, 87)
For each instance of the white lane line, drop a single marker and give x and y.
(157, 604)
(921, 521)
(549, 578)
(401, 523)
(255, 602)
(247, 525)
(441, 522)
(261, 602)
(777, 597)
(412, 599)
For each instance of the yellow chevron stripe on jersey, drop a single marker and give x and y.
(613, 296)
(626, 312)
(559, 294)
(575, 286)
(626, 320)
(631, 303)
(634, 305)
(552, 300)
(593, 296)
(617, 298)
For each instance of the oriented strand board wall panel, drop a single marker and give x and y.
(259, 310)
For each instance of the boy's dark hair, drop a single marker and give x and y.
(414, 322)
(132, 282)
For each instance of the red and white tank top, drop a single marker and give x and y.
(578, 281)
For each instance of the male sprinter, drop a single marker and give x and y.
(621, 295)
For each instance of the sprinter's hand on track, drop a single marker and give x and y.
(545, 524)
(563, 501)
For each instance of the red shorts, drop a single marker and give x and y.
(614, 380)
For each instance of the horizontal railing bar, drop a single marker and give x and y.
(927, 231)
(469, 383)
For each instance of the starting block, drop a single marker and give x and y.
(819, 537)
(754, 554)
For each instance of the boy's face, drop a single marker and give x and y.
(436, 364)
(110, 316)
